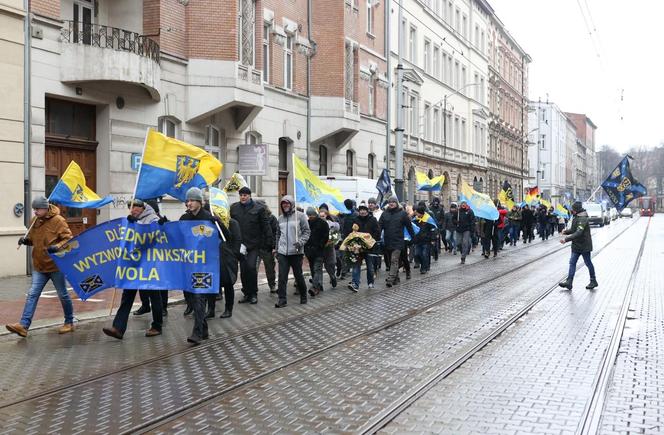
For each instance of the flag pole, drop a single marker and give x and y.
(592, 195)
(294, 197)
(212, 213)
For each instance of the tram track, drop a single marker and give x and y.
(385, 417)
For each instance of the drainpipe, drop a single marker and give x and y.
(388, 112)
(26, 124)
(309, 35)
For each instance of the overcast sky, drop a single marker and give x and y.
(584, 68)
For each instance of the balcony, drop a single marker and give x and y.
(334, 120)
(220, 86)
(97, 53)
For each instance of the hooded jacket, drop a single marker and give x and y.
(50, 230)
(464, 220)
(579, 233)
(393, 221)
(148, 216)
(527, 217)
(293, 228)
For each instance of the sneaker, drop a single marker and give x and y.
(463, 260)
(280, 304)
(195, 340)
(18, 329)
(352, 287)
(66, 328)
(388, 284)
(593, 284)
(152, 332)
(408, 275)
(371, 286)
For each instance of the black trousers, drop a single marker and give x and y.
(286, 263)
(128, 296)
(145, 298)
(197, 302)
(249, 273)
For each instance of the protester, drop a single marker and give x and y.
(394, 221)
(346, 225)
(365, 223)
(528, 221)
(144, 214)
(265, 252)
(450, 228)
(230, 255)
(552, 221)
(292, 236)
(464, 223)
(329, 254)
(488, 233)
(423, 239)
(515, 219)
(314, 249)
(48, 233)
(582, 246)
(377, 251)
(438, 213)
(542, 222)
(500, 223)
(256, 234)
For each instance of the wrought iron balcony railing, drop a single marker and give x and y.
(96, 35)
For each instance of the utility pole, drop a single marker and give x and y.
(388, 113)
(398, 179)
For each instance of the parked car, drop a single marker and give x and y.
(626, 213)
(596, 215)
(614, 213)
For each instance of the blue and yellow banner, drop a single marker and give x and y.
(506, 196)
(479, 203)
(172, 167)
(424, 183)
(621, 187)
(561, 211)
(545, 203)
(219, 205)
(72, 191)
(427, 218)
(311, 190)
(120, 254)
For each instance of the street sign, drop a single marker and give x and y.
(252, 159)
(135, 161)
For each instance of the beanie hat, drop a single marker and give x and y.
(577, 207)
(244, 191)
(372, 200)
(40, 202)
(311, 211)
(136, 203)
(194, 194)
(363, 207)
(323, 206)
(393, 198)
(349, 203)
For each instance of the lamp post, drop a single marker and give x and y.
(398, 163)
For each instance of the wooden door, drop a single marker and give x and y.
(57, 160)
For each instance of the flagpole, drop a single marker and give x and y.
(294, 198)
(212, 213)
(592, 195)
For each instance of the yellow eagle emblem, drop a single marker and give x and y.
(187, 168)
(67, 248)
(202, 230)
(79, 194)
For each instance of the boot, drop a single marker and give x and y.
(188, 310)
(211, 303)
(593, 284)
(566, 284)
(226, 314)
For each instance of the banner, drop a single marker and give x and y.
(120, 254)
(424, 183)
(533, 196)
(506, 196)
(621, 187)
(480, 203)
(311, 190)
(72, 191)
(384, 187)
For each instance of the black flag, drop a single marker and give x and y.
(384, 186)
(622, 187)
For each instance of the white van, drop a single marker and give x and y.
(595, 213)
(355, 188)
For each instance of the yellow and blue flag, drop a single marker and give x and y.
(219, 205)
(427, 184)
(235, 183)
(312, 190)
(480, 203)
(170, 166)
(561, 211)
(545, 203)
(71, 190)
(506, 196)
(427, 218)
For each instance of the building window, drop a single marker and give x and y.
(482, 91)
(254, 181)
(414, 116)
(476, 79)
(427, 56)
(436, 62)
(427, 121)
(463, 81)
(288, 62)
(463, 135)
(456, 75)
(82, 22)
(246, 26)
(167, 126)
(349, 163)
(372, 96)
(349, 73)
(464, 27)
(457, 133)
(436, 125)
(266, 53)
(322, 160)
(412, 44)
(371, 163)
(370, 17)
(213, 141)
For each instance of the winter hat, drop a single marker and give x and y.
(454, 205)
(577, 207)
(40, 202)
(349, 203)
(323, 206)
(136, 203)
(363, 207)
(244, 191)
(372, 201)
(393, 198)
(421, 209)
(194, 194)
(311, 212)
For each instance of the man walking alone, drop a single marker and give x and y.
(582, 246)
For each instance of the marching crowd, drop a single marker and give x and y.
(393, 237)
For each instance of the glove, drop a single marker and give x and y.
(24, 241)
(52, 249)
(132, 219)
(243, 249)
(297, 246)
(162, 220)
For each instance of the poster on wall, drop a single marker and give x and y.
(252, 159)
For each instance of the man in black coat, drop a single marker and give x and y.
(582, 246)
(438, 213)
(465, 223)
(314, 249)
(346, 227)
(256, 234)
(230, 255)
(365, 223)
(528, 221)
(394, 221)
(266, 253)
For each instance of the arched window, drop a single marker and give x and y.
(371, 163)
(350, 163)
(322, 160)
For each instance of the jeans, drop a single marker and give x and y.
(463, 239)
(287, 262)
(357, 270)
(586, 259)
(269, 263)
(316, 267)
(515, 229)
(249, 273)
(423, 253)
(542, 231)
(39, 280)
(451, 240)
(128, 296)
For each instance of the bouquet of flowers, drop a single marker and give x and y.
(356, 244)
(335, 237)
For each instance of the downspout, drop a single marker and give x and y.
(311, 54)
(27, 41)
(388, 112)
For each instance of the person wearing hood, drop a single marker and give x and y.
(48, 233)
(256, 233)
(450, 228)
(292, 235)
(365, 223)
(465, 223)
(438, 213)
(314, 249)
(394, 221)
(582, 246)
(144, 214)
(528, 221)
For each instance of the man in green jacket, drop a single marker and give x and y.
(582, 246)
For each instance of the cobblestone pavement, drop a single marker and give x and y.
(635, 402)
(538, 375)
(129, 399)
